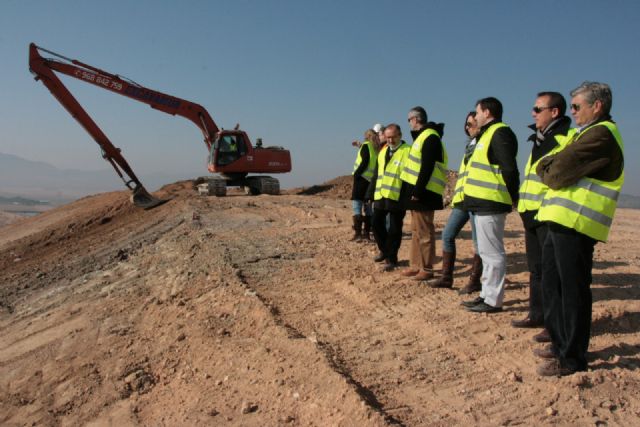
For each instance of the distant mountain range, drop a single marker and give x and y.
(20, 177)
(42, 181)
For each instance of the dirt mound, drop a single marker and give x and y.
(337, 188)
(340, 188)
(259, 311)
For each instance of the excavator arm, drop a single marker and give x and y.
(43, 69)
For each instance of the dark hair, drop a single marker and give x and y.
(469, 114)
(556, 100)
(419, 113)
(394, 125)
(493, 105)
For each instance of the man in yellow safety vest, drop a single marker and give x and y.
(584, 180)
(490, 192)
(425, 173)
(386, 197)
(552, 129)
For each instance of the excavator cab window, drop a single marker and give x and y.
(229, 148)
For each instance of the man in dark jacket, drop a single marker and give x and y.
(490, 191)
(584, 180)
(551, 128)
(425, 175)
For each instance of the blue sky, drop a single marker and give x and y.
(307, 75)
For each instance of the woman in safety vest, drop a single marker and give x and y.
(363, 170)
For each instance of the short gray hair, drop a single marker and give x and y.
(419, 113)
(595, 91)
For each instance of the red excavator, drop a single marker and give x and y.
(231, 154)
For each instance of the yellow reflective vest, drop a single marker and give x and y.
(532, 190)
(589, 205)
(371, 166)
(438, 178)
(458, 191)
(388, 183)
(484, 180)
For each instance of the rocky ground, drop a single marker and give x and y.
(259, 311)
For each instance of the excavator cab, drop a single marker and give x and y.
(227, 149)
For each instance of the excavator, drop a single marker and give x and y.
(231, 155)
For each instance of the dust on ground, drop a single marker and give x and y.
(258, 310)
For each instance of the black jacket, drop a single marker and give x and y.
(503, 150)
(542, 145)
(432, 152)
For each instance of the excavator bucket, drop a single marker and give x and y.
(142, 199)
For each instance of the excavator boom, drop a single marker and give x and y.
(231, 152)
(43, 71)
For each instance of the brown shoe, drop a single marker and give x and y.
(542, 336)
(409, 272)
(527, 322)
(545, 352)
(552, 368)
(423, 275)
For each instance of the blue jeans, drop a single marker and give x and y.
(457, 219)
(359, 206)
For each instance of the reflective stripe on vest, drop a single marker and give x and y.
(458, 192)
(484, 180)
(438, 179)
(532, 189)
(368, 173)
(588, 206)
(388, 183)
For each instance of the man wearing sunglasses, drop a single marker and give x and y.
(551, 129)
(425, 174)
(584, 180)
(490, 192)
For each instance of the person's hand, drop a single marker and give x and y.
(355, 143)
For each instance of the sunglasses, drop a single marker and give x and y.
(539, 110)
(575, 107)
(411, 118)
(469, 125)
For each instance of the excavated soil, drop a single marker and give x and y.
(259, 311)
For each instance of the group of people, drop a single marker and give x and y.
(567, 201)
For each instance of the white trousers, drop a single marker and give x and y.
(490, 235)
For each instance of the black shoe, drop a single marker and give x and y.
(472, 303)
(380, 257)
(389, 266)
(483, 307)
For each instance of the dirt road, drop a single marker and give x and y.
(259, 311)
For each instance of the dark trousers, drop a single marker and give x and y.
(534, 241)
(388, 241)
(567, 259)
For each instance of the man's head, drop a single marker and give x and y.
(487, 110)
(590, 101)
(393, 134)
(417, 118)
(549, 106)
